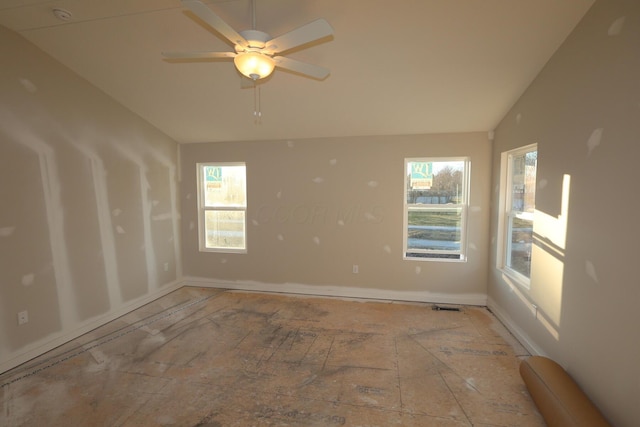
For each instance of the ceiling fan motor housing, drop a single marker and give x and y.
(257, 39)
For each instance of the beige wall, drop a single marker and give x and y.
(88, 205)
(89, 201)
(318, 206)
(583, 110)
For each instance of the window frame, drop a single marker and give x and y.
(202, 208)
(462, 206)
(507, 214)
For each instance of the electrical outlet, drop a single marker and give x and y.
(166, 266)
(23, 317)
(355, 268)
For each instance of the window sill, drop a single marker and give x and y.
(516, 278)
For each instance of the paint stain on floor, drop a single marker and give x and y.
(206, 357)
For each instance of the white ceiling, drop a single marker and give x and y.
(397, 66)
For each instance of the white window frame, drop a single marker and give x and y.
(506, 215)
(202, 209)
(462, 205)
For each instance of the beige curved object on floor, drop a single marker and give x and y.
(558, 398)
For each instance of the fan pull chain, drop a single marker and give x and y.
(257, 113)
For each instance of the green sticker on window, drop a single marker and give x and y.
(421, 175)
(213, 176)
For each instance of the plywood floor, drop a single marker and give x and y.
(205, 357)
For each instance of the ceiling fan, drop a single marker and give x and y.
(256, 53)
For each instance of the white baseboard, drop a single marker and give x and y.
(52, 341)
(341, 291)
(49, 343)
(520, 335)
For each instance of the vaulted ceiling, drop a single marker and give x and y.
(397, 66)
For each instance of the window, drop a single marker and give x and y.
(435, 208)
(518, 201)
(222, 207)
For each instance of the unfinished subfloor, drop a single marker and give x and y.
(208, 357)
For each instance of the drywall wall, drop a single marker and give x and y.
(316, 207)
(88, 205)
(583, 110)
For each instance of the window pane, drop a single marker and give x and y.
(225, 229)
(434, 230)
(523, 181)
(224, 186)
(435, 182)
(519, 247)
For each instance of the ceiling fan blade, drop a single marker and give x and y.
(307, 33)
(310, 70)
(217, 23)
(198, 55)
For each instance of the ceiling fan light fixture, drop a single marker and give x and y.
(254, 65)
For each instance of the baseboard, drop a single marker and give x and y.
(341, 291)
(49, 343)
(520, 335)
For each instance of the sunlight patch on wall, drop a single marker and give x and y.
(548, 257)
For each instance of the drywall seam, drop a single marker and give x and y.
(40, 347)
(51, 190)
(105, 225)
(152, 275)
(59, 252)
(173, 173)
(340, 291)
